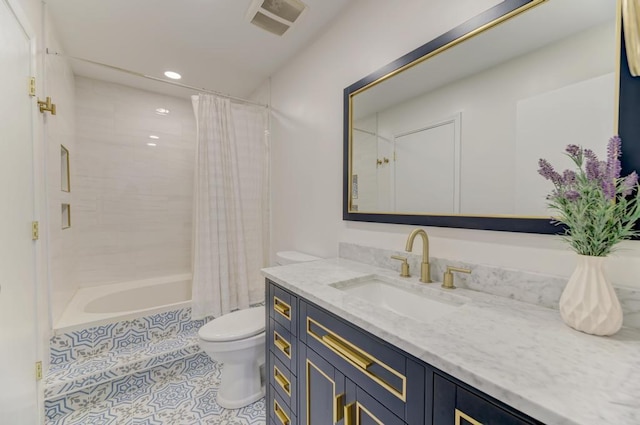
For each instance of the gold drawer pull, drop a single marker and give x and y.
(348, 414)
(359, 359)
(460, 415)
(282, 417)
(282, 344)
(282, 380)
(348, 351)
(282, 307)
(338, 408)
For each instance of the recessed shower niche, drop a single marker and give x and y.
(66, 216)
(65, 180)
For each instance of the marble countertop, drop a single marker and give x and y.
(521, 354)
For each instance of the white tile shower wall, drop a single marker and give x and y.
(307, 145)
(365, 168)
(133, 202)
(60, 130)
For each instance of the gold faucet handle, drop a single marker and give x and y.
(447, 281)
(404, 269)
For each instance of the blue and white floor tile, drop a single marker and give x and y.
(180, 393)
(85, 358)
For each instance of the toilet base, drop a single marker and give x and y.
(237, 404)
(239, 387)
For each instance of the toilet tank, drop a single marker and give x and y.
(292, 257)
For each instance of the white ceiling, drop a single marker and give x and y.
(209, 42)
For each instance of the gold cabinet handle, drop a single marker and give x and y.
(460, 415)
(348, 414)
(282, 307)
(338, 408)
(347, 351)
(282, 380)
(282, 417)
(282, 344)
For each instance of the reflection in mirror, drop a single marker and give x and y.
(461, 132)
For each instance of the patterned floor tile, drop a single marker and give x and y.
(64, 378)
(181, 393)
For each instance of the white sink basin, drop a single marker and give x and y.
(405, 302)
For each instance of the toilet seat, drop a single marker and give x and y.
(234, 326)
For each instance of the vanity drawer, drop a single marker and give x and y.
(384, 372)
(279, 411)
(282, 307)
(284, 382)
(283, 345)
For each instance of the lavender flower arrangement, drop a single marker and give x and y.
(594, 202)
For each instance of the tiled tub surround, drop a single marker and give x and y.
(520, 353)
(133, 202)
(82, 360)
(533, 288)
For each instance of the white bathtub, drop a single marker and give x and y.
(99, 305)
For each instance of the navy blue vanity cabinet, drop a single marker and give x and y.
(383, 383)
(458, 404)
(323, 370)
(281, 352)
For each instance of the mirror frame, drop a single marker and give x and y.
(628, 105)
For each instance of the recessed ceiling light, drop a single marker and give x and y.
(153, 136)
(173, 75)
(162, 111)
(151, 144)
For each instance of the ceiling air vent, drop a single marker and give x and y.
(275, 16)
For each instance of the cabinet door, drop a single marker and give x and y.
(385, 372)
(321, 390)
(455, 405)
(362, 409)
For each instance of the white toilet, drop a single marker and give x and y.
(237, 340)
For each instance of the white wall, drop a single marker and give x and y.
(133, 202)
(60, 130)
(306, 133)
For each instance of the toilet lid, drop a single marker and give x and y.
(239, 324)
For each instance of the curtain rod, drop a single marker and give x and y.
(160, 80)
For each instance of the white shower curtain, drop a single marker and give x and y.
(231, 214)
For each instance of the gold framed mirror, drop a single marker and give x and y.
(450, 134)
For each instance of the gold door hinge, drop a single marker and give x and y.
(32, 86)
(38, 371)
(35, 230)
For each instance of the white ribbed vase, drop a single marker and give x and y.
(588, 302)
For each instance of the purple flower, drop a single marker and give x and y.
(547, 171)
(609, 189)
(590, 155)
(629, 184)
(573, 150)
(571, 195)
(613, 153)
(569, 177)
(594, 169)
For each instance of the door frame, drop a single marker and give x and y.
(456, 120)
(41, 301)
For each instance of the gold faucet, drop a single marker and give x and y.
(425, 267)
